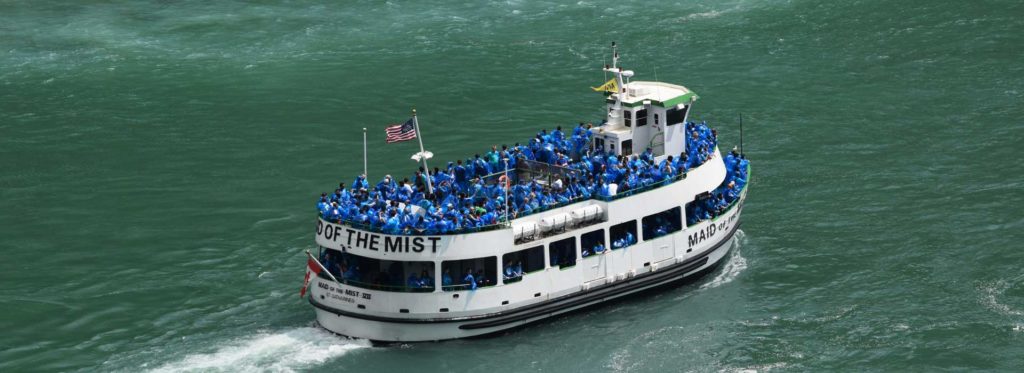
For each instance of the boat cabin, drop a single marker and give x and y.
(646, 115)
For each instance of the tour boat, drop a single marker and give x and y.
(570, 221)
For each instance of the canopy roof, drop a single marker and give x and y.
(660, 94)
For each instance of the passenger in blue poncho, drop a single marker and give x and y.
(481, 278)
(322, 206)
(509, 272)
(460, 175)
(446, 278)
(426, 280)
(469, 279)
(413, 282)
(352, 274)
(360, 183)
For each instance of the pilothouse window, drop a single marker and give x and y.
(641, 117)
(676, 116)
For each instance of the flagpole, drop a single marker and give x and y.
(416, 124)
(364, 155)
(322, 267)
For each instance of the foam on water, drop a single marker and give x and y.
(732, 268)
(991, 292)
(283, 351)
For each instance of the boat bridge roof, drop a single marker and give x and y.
(660, 94)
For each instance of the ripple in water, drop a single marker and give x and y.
(994, 291)
(732, 268)
(284, 351)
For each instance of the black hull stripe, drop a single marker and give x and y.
(551, 305)
(553, 308)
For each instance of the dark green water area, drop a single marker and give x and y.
(160, 160)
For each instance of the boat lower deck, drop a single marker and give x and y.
(393, 329)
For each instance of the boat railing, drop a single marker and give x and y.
(641, 189)
(418, 232)
(732, 204)
(506, 224)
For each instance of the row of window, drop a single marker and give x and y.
(466, 274)
(674, 116)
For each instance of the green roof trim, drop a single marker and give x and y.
(666, 104)
(681, 99)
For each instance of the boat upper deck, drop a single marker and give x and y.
(551, 170)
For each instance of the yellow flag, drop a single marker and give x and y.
(609, 86)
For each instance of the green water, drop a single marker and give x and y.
(159, 162)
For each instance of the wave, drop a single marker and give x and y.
(733, 267)
(284, 351)
(991, 292)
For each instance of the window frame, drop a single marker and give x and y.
(365, 273)
(635, 231)
(676, 223)
(490, 270)
(518, 255)
(574, 251)
(602, 238)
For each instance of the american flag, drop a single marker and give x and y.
(401, 132)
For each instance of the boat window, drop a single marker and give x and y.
(706, 206)
(377, 274)
(676, 116)
(627, 147)
(592, 243)
(623, 234)
(662, 223)
(627, 117)
(641, 117)
(598, 144)
(522, 262)
(563, 252)
(469, 274)
(655, 119)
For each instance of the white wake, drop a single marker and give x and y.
(283, 351)
(732, 268)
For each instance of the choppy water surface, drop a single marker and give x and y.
(159, 163)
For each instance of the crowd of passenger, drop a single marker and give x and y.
(465, 194)
(710, 206)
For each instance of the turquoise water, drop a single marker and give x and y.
(159, 162)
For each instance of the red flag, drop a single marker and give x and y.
(313, 265)
(310, 266)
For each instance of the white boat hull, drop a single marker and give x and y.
(383, 329)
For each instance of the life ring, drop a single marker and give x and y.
(503, 180)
